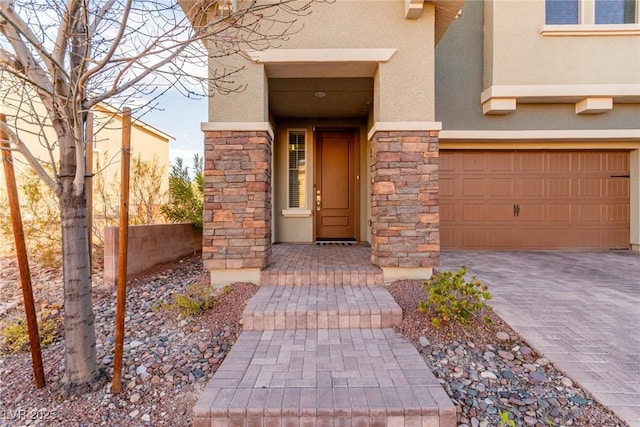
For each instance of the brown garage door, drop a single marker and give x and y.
(534, 199)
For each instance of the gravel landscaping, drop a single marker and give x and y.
(487, 369)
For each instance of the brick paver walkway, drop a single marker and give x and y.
(581, 310)
(323, 354)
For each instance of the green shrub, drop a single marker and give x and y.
(452, 299)
(15, 335)
(197, 298)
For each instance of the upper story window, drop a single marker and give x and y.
(573, 12)
(562, 12)
(615, 11)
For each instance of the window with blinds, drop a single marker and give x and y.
(297, 169)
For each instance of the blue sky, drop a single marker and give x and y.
(180, 117)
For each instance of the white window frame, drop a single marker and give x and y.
(587, 26)
(303, 211)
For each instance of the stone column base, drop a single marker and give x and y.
(223, 277)
(391, 274)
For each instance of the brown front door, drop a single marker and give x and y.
(335, 185)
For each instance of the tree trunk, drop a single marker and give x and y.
(79, 329)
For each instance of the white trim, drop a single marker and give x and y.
(591, 30)
(320, 55)
(594, 105)
(561, 135)
(561, 92)
(296, 213)
(237, 126)
(403, 126)
(413, 8)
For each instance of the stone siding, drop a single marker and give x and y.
(404, 201)
(237, 200)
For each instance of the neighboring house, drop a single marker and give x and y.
(513, 125)
(147, 144)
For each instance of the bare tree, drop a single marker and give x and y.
(72, 55)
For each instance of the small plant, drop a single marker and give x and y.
(197, 298)
(452, 299)
(15, 335)
(505, 420)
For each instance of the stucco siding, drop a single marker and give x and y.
(359, 25)
(465, 65)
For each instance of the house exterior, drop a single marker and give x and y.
(420, 126)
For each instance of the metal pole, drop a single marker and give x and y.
(23, 261)
(123, 236)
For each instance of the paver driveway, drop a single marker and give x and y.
(581, 310)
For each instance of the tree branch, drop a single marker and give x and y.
(31, 159)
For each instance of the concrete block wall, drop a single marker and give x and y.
(149, 245)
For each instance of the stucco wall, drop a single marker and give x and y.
(353, 24)
(463, 61)
(300, 229)
(149, 245)
(521, 55)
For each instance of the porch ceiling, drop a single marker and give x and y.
(321, 97)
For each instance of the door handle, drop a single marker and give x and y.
(318, 202)
(515, 209)
(518, 209)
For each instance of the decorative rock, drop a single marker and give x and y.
(424, 342)
(488, 375)
(146, 418)
(134, 399)
(506, 355)
(502, 336)
(135, 344)
(538, 377)
(141, 370)
(542, 361)
(134, 413)
(566, 381)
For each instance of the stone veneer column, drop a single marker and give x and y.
(237, 205)
(404, 203)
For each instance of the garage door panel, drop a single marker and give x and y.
(447, 212)
(590, 162)
(501, 162)
(558, 188)
(617, 187)
(590, 187)
(558, 162)
(590, 213)
(558, 213)
(500, 187)
(617, 214)
(447, 187)
(531, 187)
(531, 161)
(617, 163)
(474, 187)
(476, 161)
(567, 200)
(500, 213)
(531, 212)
